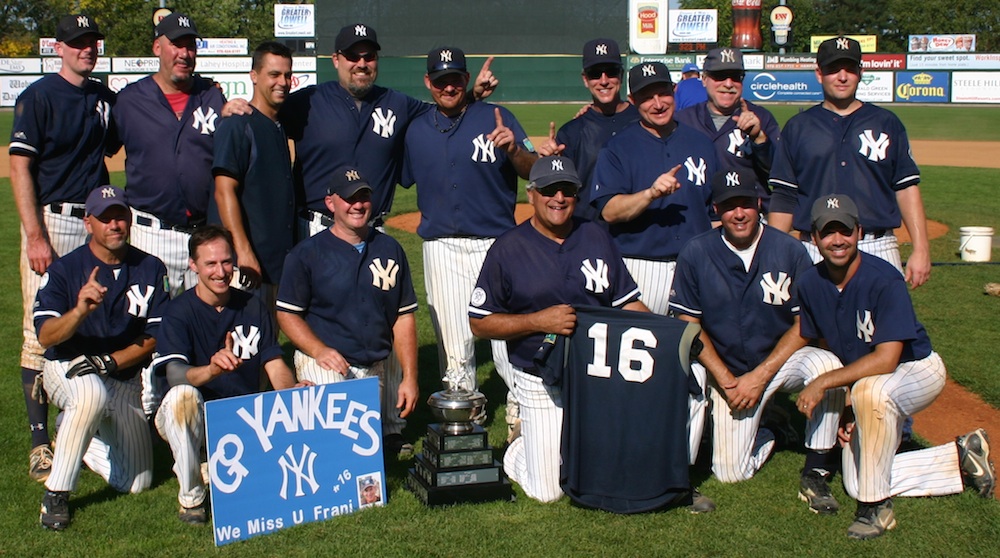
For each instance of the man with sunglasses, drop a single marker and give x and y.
(62, 129)
(744, 134)
(531, 277)
(583, 137)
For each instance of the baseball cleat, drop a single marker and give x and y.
(396, 445)
(974, 458)
(40, 463)
(815, 491)
(700, 503)
(55, 510)
(197, 515)
(872, 520)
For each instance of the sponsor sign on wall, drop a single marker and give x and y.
(922, 87)
(782, 86)
(883, 61)
(12, 86)
(222, 47)
(975, 87)
(789, 62)
(869, 43)
(294, 20)
(117, 82)
(943, 43)
(20, 66)
(53, 65)
(127, 65)
(983, 61)
(693, 26)
(875, 87)
(47, 46)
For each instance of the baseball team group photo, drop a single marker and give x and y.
(668, 319)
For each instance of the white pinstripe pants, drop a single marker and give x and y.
(740, 447)
(654, 279)
(872, 470)
(181, 422)
(306, 368)
(103, 426)
(169, 245)
(533, 459)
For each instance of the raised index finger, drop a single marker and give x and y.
(743, 105)
(552, 130)
(496, 111)
(486, 65)
(93, 276)
(673, 171)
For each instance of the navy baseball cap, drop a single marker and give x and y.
(367, 482)
(689, 67)
(175, 26)
(552, 170)
(601, 51)
(734, 183)
(445, 60)
(346, 182)
(834, 208)
(353, 34)
(103, 198)
(724, 60)
(838, 48)
(646, 74)
(75, 26)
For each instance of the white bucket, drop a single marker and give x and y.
(975, 243)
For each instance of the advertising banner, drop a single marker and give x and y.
(975, 87)
(869, 43)
(12, 86)
(883, 62)
(647, 25)
(20, 66)
(922, 87)
(693, 26)
(782, 86)
(294, 20)
(943, 43)
(875, 87)
(985, 61)
(222, 47)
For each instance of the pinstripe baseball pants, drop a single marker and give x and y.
(307, 369)
(654, 279)
(181, 422)
(169, 245)
(532, 460)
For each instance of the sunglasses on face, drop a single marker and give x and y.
(723, 76)
(354, 56)
(569, 190)
(597, 71)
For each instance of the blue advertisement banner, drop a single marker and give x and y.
(923, 87)
(782, 86)
(279, 459)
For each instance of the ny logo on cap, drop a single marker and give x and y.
(352, 175)
(842, 43)
(833, 203)
(108, 192)
(446, 56)
(183, 22)
(728, 55)
(648, 70)
(601, 50)
(732, 179)
(360, 31)
(82, 21)
(557, 165)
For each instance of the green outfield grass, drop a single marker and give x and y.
(758, 517)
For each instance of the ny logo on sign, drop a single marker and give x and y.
(648, 70)
(446, 56)
(82, 21)
(383, 277)
(483, 150)
(302, 469)
(736, 141)
(727, 55)
(205, 121)
(383, 123)
(601, 49)
(696, 171)
(596, 275)
(245, 342)
(557, 165)
(866, 327)
(873, 148)
(103, 109)
(843, 44)
(360, 31)
(776, 291)
(138, 303)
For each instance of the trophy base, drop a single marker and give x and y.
(459, 494)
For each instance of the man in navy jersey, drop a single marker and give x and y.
(859, 306)
(254, 192)
(531, 276)
(847, 146)
(62, 129)
(213, 343)
(96, 313)
(740, 283)
(346, 300)
(651, 184)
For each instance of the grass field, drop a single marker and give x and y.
(758, 517)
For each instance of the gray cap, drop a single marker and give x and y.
(103, 198)
(552, 170)
(834, 208)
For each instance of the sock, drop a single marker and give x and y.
(38, 413)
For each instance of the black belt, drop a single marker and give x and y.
(162, 225)
(874, 234)
(315, 216)
(71, 210)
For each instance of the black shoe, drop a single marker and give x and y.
(55, 510)
(395, 444)
(815, 490)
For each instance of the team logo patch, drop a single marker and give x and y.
(205, 121)
(736, 141)
(360, 31)
(383, 276)
(245, 341)
(872, 147)
(601, 49)
(596, 275)
(776, 290)
(696, 172)
(648, 70)
(727, 55)
(138, 300)
(483, 150)
(383, 123)
(866, 327)
(478, 297)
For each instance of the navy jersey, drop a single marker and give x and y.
(331, 131)
(132, 306)
(733, 147)
(625, 410)
(465, 186)
(688, 93)
(193, 331)
(745, 312)
(66, 130)
(525, 271)
(865, 155)
(631, 162)
(584, 137)
(873, 308)
(253, 150)
(168, 164)
(350, 300)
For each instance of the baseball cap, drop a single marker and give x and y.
(724, 60)
(443, 61)
(346, 182)
(601, 51)
(834, 208)
(103, 198)
(646, 74)
(175, 26)
(351, 35)
(552, 170)
(75, 26)
(838, 48)
(734, 183)
(366, 482)
(689, 67)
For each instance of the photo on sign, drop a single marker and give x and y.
(370, 490)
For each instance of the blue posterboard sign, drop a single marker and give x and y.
(283, 458)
